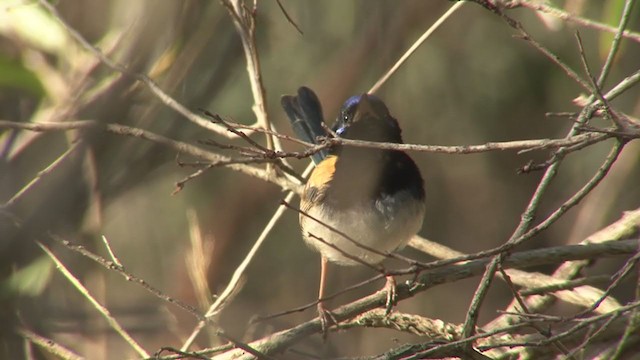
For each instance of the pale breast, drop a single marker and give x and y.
(385, 226)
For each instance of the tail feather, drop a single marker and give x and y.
(305, 114)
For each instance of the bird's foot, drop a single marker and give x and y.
(392, 296)
(326, 319)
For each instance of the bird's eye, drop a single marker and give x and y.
(347, 115)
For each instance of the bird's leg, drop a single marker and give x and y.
(390, 289)
(326, 317)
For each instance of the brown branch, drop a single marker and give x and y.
(436, 330)
(40, 175)
(178, 146)
(596, 91)
(564, 285)
(563, 15)
(84, 292)
(414, 47)
(633, 324)
(516, 145)
(521, 232)
(615, 281)
(627, 226)
(281, 340)
(119, 269)
(525, 310)
(532, 282)
(289, 19)
(49, 345)
(538, 144)
(165, 98)
(234, 283)
(615, 43)
(245, 23)
(130, 277)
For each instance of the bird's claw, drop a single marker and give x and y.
(392, 295)
(326, 319)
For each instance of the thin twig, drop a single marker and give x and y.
(616, 279)
(178, 146)
(219, 120)
(563, 15)
(222, 299)
(283, 339)
(178, 356)
(40, 175)
(414, 47)
(589, 138)
(289, 19)
(180, 184)
(571, 332)
(520, 277)
(181, 354)
(528, 215)
(245, 23)
(564, 285)
(473, 311)
(632, 325)
(596, 91)
(129, 277)
(532, 282)
(153, 87)
(113, 256)
(115, 325)
(49, 345)
(615, 43)
(578, 196)
(523, 307)
(621, 229)
(580, 347)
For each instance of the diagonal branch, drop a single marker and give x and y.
(152, 85)
(245, 22)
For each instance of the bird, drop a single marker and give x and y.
(359, 203)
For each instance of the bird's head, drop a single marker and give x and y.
(366, 117)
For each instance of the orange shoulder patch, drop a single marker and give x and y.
(323, 173)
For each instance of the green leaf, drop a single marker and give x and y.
(31, 280)
(14, 75)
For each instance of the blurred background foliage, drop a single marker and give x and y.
(472, 82)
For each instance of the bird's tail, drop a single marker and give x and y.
(305, 114)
